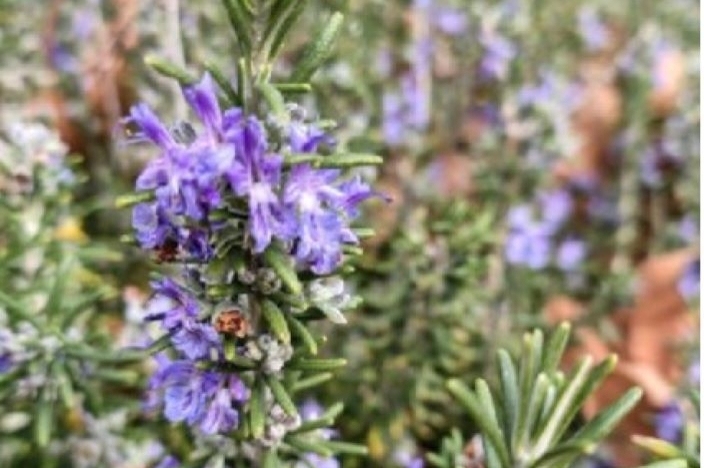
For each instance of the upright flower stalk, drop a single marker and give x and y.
(252, 206)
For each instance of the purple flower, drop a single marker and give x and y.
(416, 462)
(531, 95)
(168, 462)
(201, 398)
(6, 362)
(150, 127)
(669, 423)
(556, 207)
(203, 99)
(152, 229)
(309, 411)
(450, 21)
(317, 207)
(416, 100)
(688, 229)
(309, 209)
(393, 119)
(171, 304)
(220, 416)
(688, 284)
(570, 254)
(529, 247)
(660, 48)
(196, 340)
(255, 174)
(186, 391)
(594, 34)
(498, 54)
(318, 461)
(694, 373)
(312, 410)
(407, 110)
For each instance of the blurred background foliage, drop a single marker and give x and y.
(542, 157)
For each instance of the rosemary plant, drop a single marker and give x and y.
(526, 422)
(252, 210)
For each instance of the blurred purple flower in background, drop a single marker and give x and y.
(556, 206)
(688, 229)
(528, 241)
(688, 284)
(450, 21)
(310, 411)
(669, 423)
(694, 373)
(498, 54)
(593, 31)
(571, 254)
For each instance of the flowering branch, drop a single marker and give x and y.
(253, 208)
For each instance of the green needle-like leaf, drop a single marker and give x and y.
(316, 53)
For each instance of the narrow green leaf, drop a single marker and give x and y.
(271, 460)
(301, 158)
(488, 428)
(556, 347)
(305, 445)
(562, 408)
(345, 160)
(337, 446)
(281, 395)
(65, 387)
(131, 199)
(364, 233)
(16, 308)
(484, 394)
(564, 454)
(606, 420)
(509, 388)
(321, 365)
(273, 98)
(313, 425)
(224, 84)
(243, 85)
(548, 405)
(526, 377)
(241, 361)
(276, 320)
(276, 40)
(257, 413)
(536, 402)
(237, 14)
(170, 70)
(594, 379)
(281, 265)
(293, 88)
(58, 288)
(43, 418)
(312, 381)
(334, 411)
(318, 50)
(304, 334)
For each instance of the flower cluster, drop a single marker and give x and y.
(228, 183)
(203, 398)
(232, 164)
(529, 241)
(407, 109)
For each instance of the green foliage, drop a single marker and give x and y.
(526, 421)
